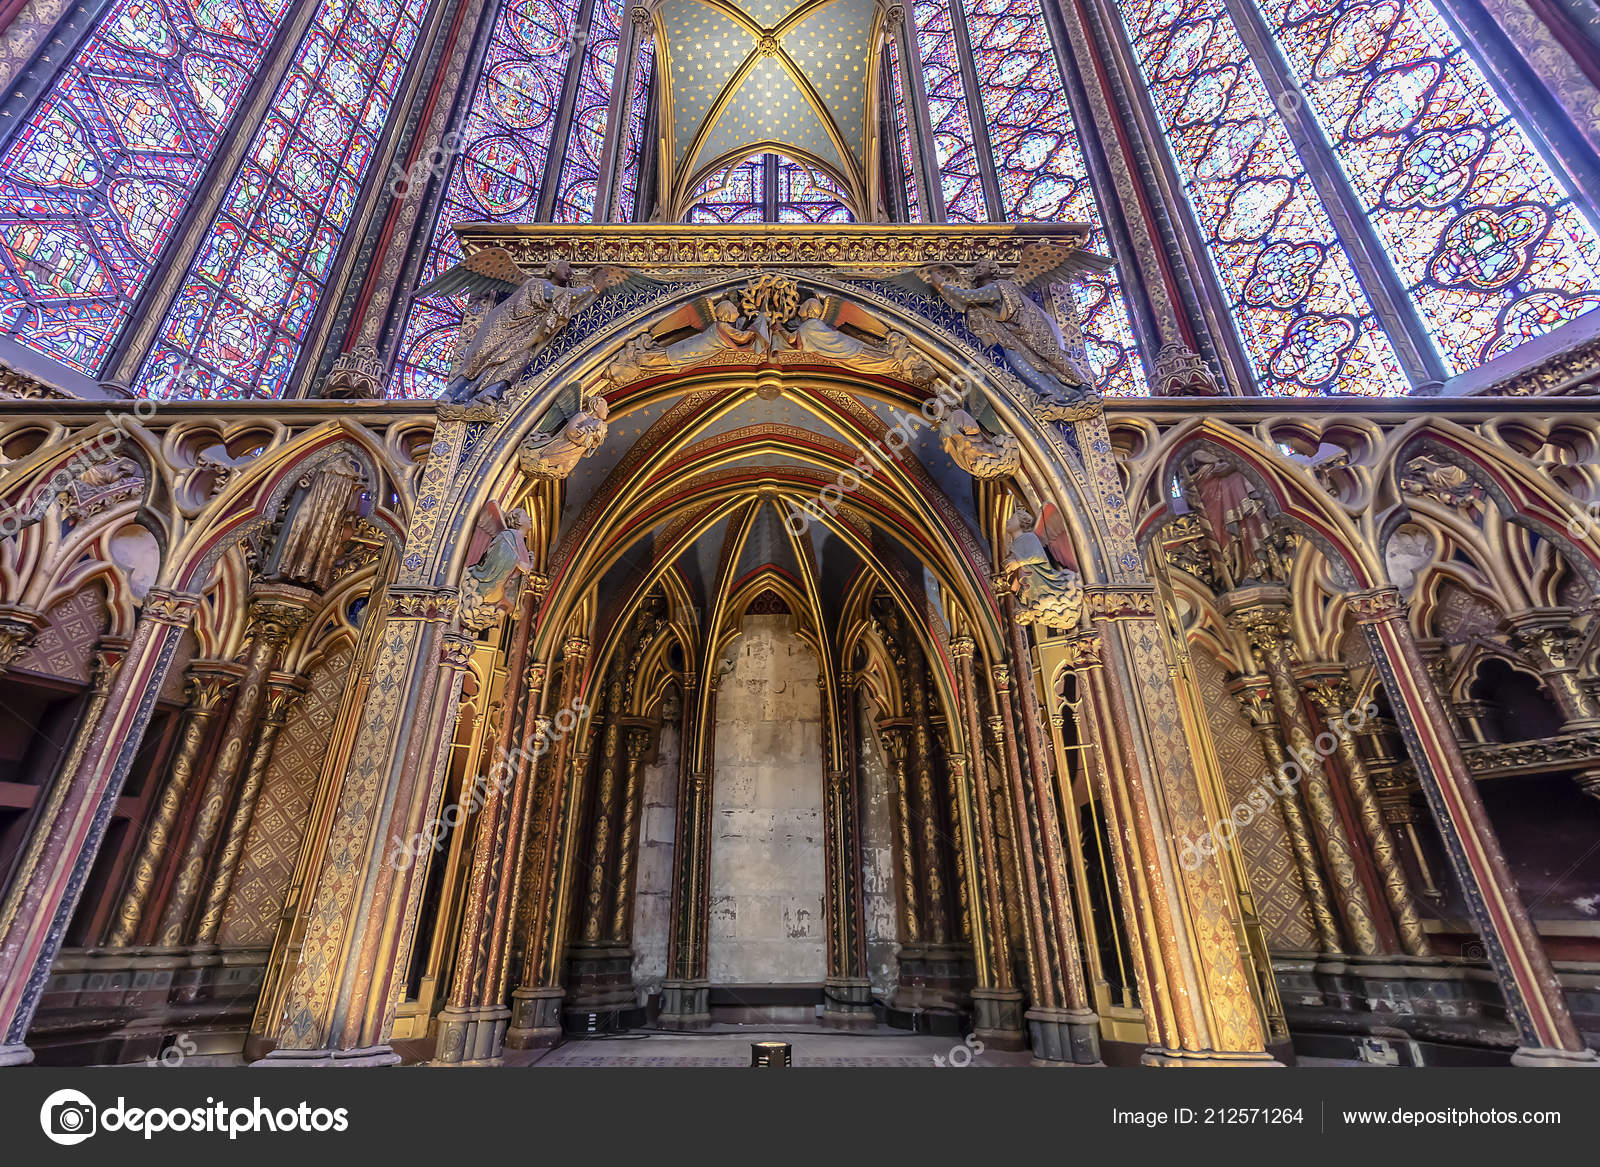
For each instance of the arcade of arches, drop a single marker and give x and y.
(639, 610)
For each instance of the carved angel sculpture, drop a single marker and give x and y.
(1046, 594)
(512, 331)
(1000, 312)
(490, 585)
(895, 358)
(557, 455)
(980, 454)
(643, 355)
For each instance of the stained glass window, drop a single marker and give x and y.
(734, 194)
(577, 189)
(505, 142)
(1041, 168)
(92, 186)
(1303, 316)
(634, 145)
(1485, 238)
(806, 195)
(959, 175)
(240, 316)
(903, 133)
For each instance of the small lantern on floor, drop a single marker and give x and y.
(770, 1055)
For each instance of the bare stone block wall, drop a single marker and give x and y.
(767, 864)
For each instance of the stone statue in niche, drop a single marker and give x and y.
(491, 585)
(509, 333)
(1442, 482)
(1046, 594)
(316, 521)
(722, 332)
(557, 455)
(1249, 545)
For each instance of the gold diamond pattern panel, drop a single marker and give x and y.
(65, 648)
(1280, 896)
(251, 917)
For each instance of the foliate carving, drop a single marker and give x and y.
(455, 651)
(277, 616)
(1111, 603)
(169, 607)
(861, 248)
(1085, 651)
(1184, 545)
(420, 604)
(555, 456)
(356, 375)
(1379, 604)
(1045, 594)
(489, 588)
(18, 627)
(1574, 371)
(20, 386)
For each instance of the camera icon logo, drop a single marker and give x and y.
(68, 1117)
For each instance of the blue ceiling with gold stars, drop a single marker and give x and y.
(791, 74)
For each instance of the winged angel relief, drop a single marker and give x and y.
(769, 320)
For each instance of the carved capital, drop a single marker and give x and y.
(283, 690)
(18, 627)
(1376, 605)
(455, 651)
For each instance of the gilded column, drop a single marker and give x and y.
(1534, 999)
(206, 685)
(472, 1024)
(1263, 615)
(1041, 973)
(1255, 699)
(1331, 696)
(282, 692)
(639, 747)
(847, 989)
(926, 808)
(276, 611)
(1070, 1029)
(51, 872)
(1203, 972)
(1139, 910)
(685, 992)
(613, 761)
(997, 1002)
(895, 748)
(536, 1001)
